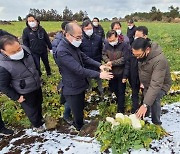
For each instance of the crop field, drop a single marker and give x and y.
(166, 34)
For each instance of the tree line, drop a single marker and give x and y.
(53, 15)
(67, 15)
(156, 15)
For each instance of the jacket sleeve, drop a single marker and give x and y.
(66, 60)
(5, 87)
(105, 55)
(6, 33)
(118, 62)
(89, 61)
(25, 38)
(103, 34)
(156, 84)
(48, 42)
(127, 56)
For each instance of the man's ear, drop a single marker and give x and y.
(1, 50)
(145, 36)
(148, 50)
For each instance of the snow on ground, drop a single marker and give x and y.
(93, 113)
(53, 142)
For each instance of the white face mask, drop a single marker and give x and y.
(95, 24)
(113, 43)
(17, 56)
(130, 27)
(76, 43)
(118, 31)
(89, 32)
(32, 24)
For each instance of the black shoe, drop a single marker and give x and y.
(6, 132)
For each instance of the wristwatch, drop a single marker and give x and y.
(145, 105)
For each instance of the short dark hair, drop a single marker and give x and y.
(114, 23)
(7, 39)
(141, 43)
(85, 18)
(143, 29)
(31, 15)
(86, 23)
(131, 21)
(110, 33)
(63, 25)
(96, 18)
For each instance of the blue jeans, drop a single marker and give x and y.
(67, 111)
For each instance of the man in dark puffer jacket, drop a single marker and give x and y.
(36, 38)
(20, 79)
(92, 46)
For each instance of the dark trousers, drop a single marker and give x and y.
(44, 58)
(156, 108)
(76, 103)
(67, 109)
(33, 107)
(118, 88)
(134, 83)
(135, 96)
(1, 122)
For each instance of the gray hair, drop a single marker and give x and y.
(70, 27)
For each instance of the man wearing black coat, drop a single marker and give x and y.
(36, 38)
(131, 31)
(98, 28)
(92, 46)
(71, 61)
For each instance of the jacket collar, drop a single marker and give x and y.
(155, 51)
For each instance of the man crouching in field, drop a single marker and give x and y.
(20, 79)
(154, 74)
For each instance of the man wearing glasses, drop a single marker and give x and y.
(71, 61)
(154, 74)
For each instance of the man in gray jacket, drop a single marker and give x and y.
(20, 79)
(154, 74)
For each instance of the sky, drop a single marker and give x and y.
(11, 9)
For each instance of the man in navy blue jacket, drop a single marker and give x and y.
(70, 61)
(92, 46)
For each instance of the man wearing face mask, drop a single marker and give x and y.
(20, 79)
(71, 62)
(118, 28)
(3, 130)
(36, 38)
(115, 54)
(92, 46)
(98, 28)
(131, 30)
(154, 74)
